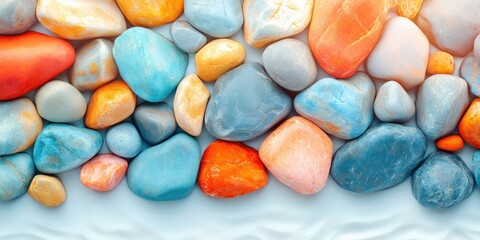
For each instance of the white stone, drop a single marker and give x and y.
(393, 104)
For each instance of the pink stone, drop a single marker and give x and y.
(103, 172)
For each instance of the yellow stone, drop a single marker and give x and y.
(408, 8)
(150, 13)
(47, 190)
(217, 57)
(440, 63)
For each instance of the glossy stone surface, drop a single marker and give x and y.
(47, 190)
(155, 121)
(468, 127)
(61, 147)
(104, 172)
(441, 101)
(16, 173)
(393, 104)
(440, 63)
(470, 71)
(17, 16)
(290, 64)
(167, 171)
(186, 37)
(124, 140)
(151, 13)
(150, 64)
(476, 167)
(20, 125)
(383, 157)
(343, 108)
(298, 154)
(442, 181)
(408, 8)
(450, 143)
(238, 117)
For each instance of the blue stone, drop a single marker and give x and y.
(245, 104)
(187, 38)
(167, 171)
(123, 140)
(476, 166)
(383, 157)
(150, 64)
(17, 16)
(343, 108)
(217, 18)
(442, 181)
(16, 173)
(61, 147)
(470, 71)
(155, 122)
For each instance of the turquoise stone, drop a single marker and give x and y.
(16, 173)
(123, 140)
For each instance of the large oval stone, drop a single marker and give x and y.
(383, 157)
(17, 16)
(238, 117)
(151, 13)
(167, 171)
(470, 71)
(469, 127)
(16, 173)
(150, 64)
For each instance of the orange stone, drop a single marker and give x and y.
(408, 8)
(440, 63)
(230, 169)
(343, 33)
(151, 13)
(450, 143)
(103, 172)
(469, 127)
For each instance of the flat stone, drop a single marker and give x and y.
(383, 157)
(104, 172)
(186, 37)
(16, 173)
(155, 122)
(290, 64)
(468, 127)
(440, 63)
(124, 140)
(239, 117)
(470, 71)
(343, 108)
(151, 13)
(393, 104)
(17, 16)
(47, 190)
(441, 101)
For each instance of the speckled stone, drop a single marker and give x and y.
(408, 8)
(16, 173)
(47, 190)
(441, 101)
(343, 108)
(290, 64)
(155, 122)
(383, 157)
(17, 16)
(187, 38)
(124, 140)
(238, 117)
(393, 104)
(442, 181)
(470, 71)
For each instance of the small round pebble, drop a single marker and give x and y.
(393, 104)
(151, 13)
(450, 143)
(408, 8)
(469, 127)
(155, 122)
(16, 173)
(124, 140)
(187, 38)
(440, 63)
(103, 172)
(47, 190)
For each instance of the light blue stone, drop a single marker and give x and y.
(187, 38)
(61, 147)
(17, 16)
(476, 166)
(123, 140)
(442, 181)
(150, 64)
(155, 121)
(383, 157)
(441, 101)
(245, 104)
(470, 71)
(167, 171)
(343, 108)
(217, 18)
(16, 173)
(393, 104)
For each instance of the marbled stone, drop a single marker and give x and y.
(47, 190)
(442, 181)
(440, 63)
(124, 140)
(469, 127)
(450, 143)
(393, 104)
(17, 16)
(104, 172)
(261, 105)
(441, 101)
(383, 157)
(470, 71)
(343, 108)
(16, 173)
(408, 8)
(167, 171)
(151, 13)
(155, 122)
(61, 147)
(150, 64)
(290, 64)
(187, 38)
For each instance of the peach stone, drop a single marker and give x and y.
(440, 63)
(104, 172)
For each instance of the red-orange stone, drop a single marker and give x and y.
(343, 33)
(469, 127)
(450, 143)
(29, 60)
(230, 169)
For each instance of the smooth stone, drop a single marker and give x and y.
(401, 54)
(440, 63)
(150, 64)
(20, 125)
(40, 58)
(61, 147)
(290, 64)
(190, 103)
(17, 16)
(155, 122)
(298, 154)
(47, 190)
(476, 166)
(441, 101)
(187, 38)
(476, 46)
(468, 128)
(442, 181)
(408, 8)
(151, 13)
(267, 21)
(217, 18)
(124, 140)
(383, 157)
(218, 57)
(450, 24)
(239, 117)
(470, 71)
(104, 172)
(109, 105)
(231, 169)
(343, 33)
(393, 104)
(76, 20)
(94, 65)
(167, 171)
(58, 101)
(450, 143)
(16, 173)
(343, 108)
